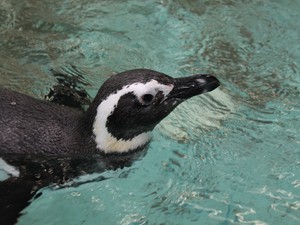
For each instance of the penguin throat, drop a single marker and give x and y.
(105, 140)
(109, 144)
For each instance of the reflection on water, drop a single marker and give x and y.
(235, 157)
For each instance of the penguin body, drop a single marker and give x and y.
(120, 119)
(32, 126)
(45, 143)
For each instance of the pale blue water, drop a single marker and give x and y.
(244, 168)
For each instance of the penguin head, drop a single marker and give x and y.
(130, 104)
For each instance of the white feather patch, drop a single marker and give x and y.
(8, 169)
(106, 141)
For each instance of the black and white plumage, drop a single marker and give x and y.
(38, 136)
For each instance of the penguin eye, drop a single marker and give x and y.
(147, 99)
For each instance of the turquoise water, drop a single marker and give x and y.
(230, 157)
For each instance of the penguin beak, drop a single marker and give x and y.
(187, 87)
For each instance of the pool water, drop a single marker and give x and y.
(229, 157)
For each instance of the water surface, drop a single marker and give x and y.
(229, 157)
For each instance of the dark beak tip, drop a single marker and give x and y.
(188, 87)
(209, 82)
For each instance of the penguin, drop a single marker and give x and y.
(44, 143)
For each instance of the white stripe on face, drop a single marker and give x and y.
(8, 169)
(106, 141)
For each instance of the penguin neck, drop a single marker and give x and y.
(109, 144)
